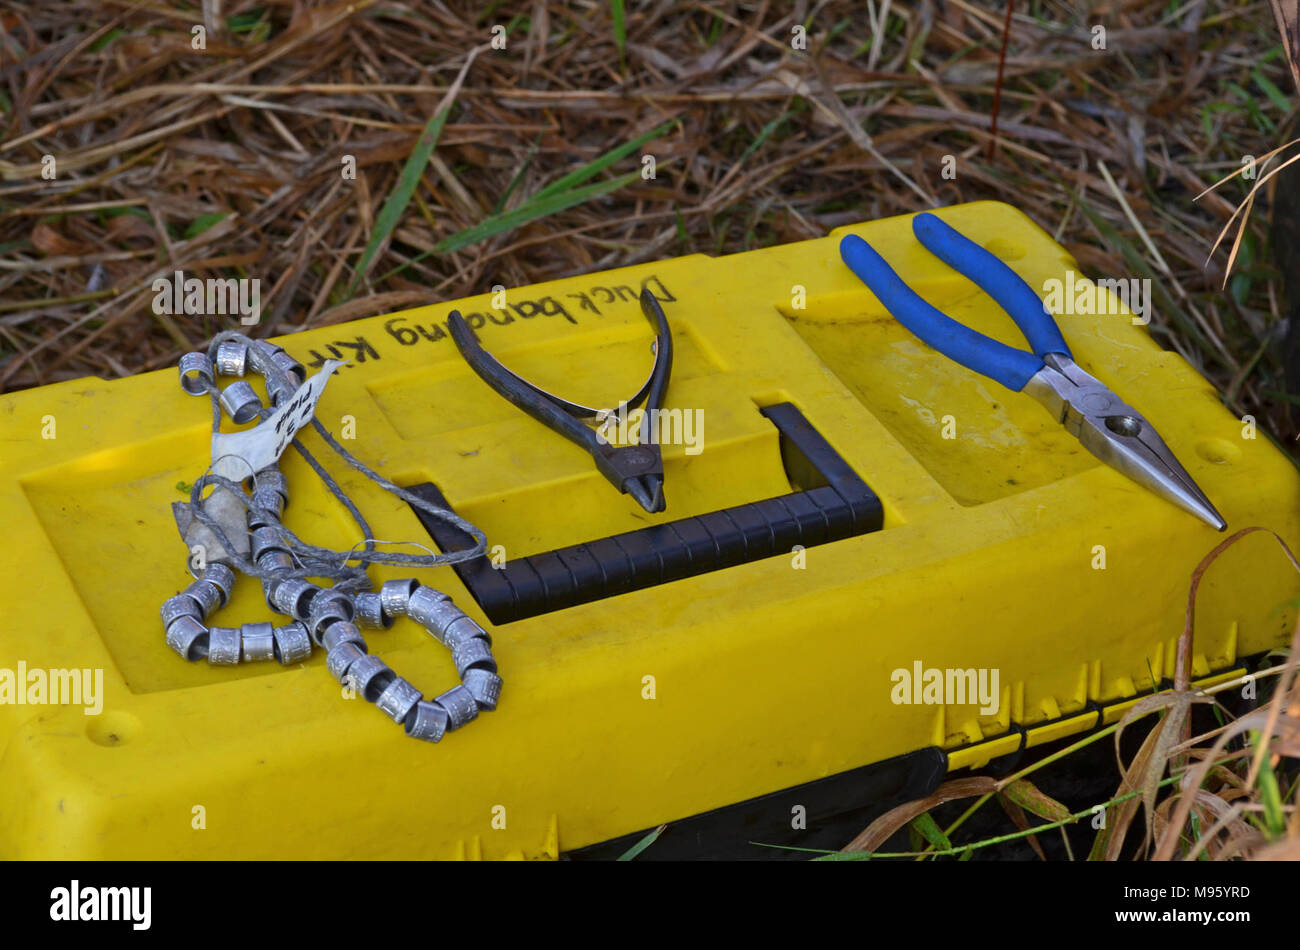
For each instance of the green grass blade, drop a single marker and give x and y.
(490, 9)
(518, 177)
(557, 196)
(529, 211)
(999, 839)
(104, 40)
(1275, 95)
(925, 826)
(244, 22)
(641, 845)
(1027, 795)
(203, 222)
(400, 196)
(600, 164)
(620, 26)
(1269, 793)
(1279, 394)
(764, 134)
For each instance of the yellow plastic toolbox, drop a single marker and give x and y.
(997, 546)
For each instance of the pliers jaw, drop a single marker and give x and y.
(1117, 434)
(636, 470)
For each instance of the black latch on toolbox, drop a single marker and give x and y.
(831, 503)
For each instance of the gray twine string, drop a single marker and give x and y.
(317, 561)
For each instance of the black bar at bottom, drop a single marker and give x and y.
(809, 816)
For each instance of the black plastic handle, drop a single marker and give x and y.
(833, 503)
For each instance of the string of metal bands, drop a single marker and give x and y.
(325, 617)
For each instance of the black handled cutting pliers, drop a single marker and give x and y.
(636, 470)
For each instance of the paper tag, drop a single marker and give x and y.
(238, 454)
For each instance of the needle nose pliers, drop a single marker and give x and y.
(1109, 428)
(636, 470)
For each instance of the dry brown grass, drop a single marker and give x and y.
(767, 144)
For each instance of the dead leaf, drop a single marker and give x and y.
(1025, 794)
(883, 828)
(1017, 816)
(126, 228)
(49, 241)
(1287, 14)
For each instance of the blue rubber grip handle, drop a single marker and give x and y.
(1010, 367)
(996, 279)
